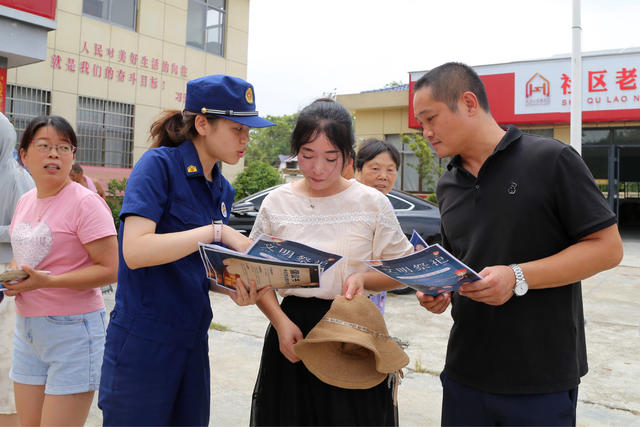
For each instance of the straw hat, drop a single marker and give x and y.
(350, 347)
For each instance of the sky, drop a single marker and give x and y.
(300, 50)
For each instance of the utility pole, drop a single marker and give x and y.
(576, 80)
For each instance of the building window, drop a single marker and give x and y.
(121, 12)
(205, 25)
(105, 133)
(24, 104)
(408, 178)
(544, 132)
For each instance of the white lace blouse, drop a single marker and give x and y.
(357, 223)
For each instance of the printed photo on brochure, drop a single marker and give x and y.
(432, 270)
(225, 267)
(417, 241)
(276, 249)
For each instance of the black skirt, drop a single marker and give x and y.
(287, 394)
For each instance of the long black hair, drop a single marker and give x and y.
(328, 117)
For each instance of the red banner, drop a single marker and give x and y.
(3, 89)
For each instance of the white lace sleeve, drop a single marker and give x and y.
(262, 224)
(388, 240)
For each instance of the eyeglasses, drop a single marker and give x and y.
(61, 149)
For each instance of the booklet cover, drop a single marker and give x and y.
(417, 241)
(432, 270)
(225, 266)
(276, 249)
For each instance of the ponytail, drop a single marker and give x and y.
(173, 127)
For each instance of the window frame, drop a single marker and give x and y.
(111, 22)
(90, 131)
(223, 38)
(11, 100)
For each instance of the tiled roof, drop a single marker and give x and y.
(397, 88)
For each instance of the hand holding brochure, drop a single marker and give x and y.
(269, 261)
(432, 271)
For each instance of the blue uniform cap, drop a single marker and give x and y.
(224, 96)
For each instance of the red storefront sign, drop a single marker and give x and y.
(45, 8)
(536, 92)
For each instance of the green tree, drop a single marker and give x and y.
(267, 143)
(257, 176)
(114, 196)
(428, 166)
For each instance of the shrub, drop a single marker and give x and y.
(257, 176)
(114, 196)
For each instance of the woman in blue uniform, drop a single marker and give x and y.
(156, 364)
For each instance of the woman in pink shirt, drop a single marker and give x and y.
(66, 230)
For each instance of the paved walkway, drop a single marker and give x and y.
(609, 393)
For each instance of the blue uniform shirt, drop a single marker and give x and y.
(169, 303)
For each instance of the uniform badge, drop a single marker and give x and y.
(223, 209)
(192, 169)
(248, 95)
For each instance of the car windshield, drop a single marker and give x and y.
(257, 201)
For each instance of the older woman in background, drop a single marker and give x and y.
(377, 164)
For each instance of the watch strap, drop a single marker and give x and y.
(217, 230)
(518, 272)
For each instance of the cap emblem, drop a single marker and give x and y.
(248, 95)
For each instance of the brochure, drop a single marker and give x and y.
(432, 270)
(276, 249)
(269, 261)
(417, 241)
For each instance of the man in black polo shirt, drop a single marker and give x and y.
(526, 213)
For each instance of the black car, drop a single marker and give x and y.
(412, 212)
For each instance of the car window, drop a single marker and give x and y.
(257, 201)
(398, 203)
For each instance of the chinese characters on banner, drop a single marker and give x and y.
(142, 64)
(610, 82)
(625, 79)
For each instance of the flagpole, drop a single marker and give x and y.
(576, 80)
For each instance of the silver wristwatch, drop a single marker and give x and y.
(521, 286)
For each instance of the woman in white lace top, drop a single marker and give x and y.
(328, 212)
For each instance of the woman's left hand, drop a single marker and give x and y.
(243, 296)
(354, 285)
(36, 280)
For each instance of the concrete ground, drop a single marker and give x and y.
(609, 393)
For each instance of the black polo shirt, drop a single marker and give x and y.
(533, 197)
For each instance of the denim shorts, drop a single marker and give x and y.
(63, 353)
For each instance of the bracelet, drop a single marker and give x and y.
(217, 231)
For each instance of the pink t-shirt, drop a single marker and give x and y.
(90, 185)
(49, 234)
